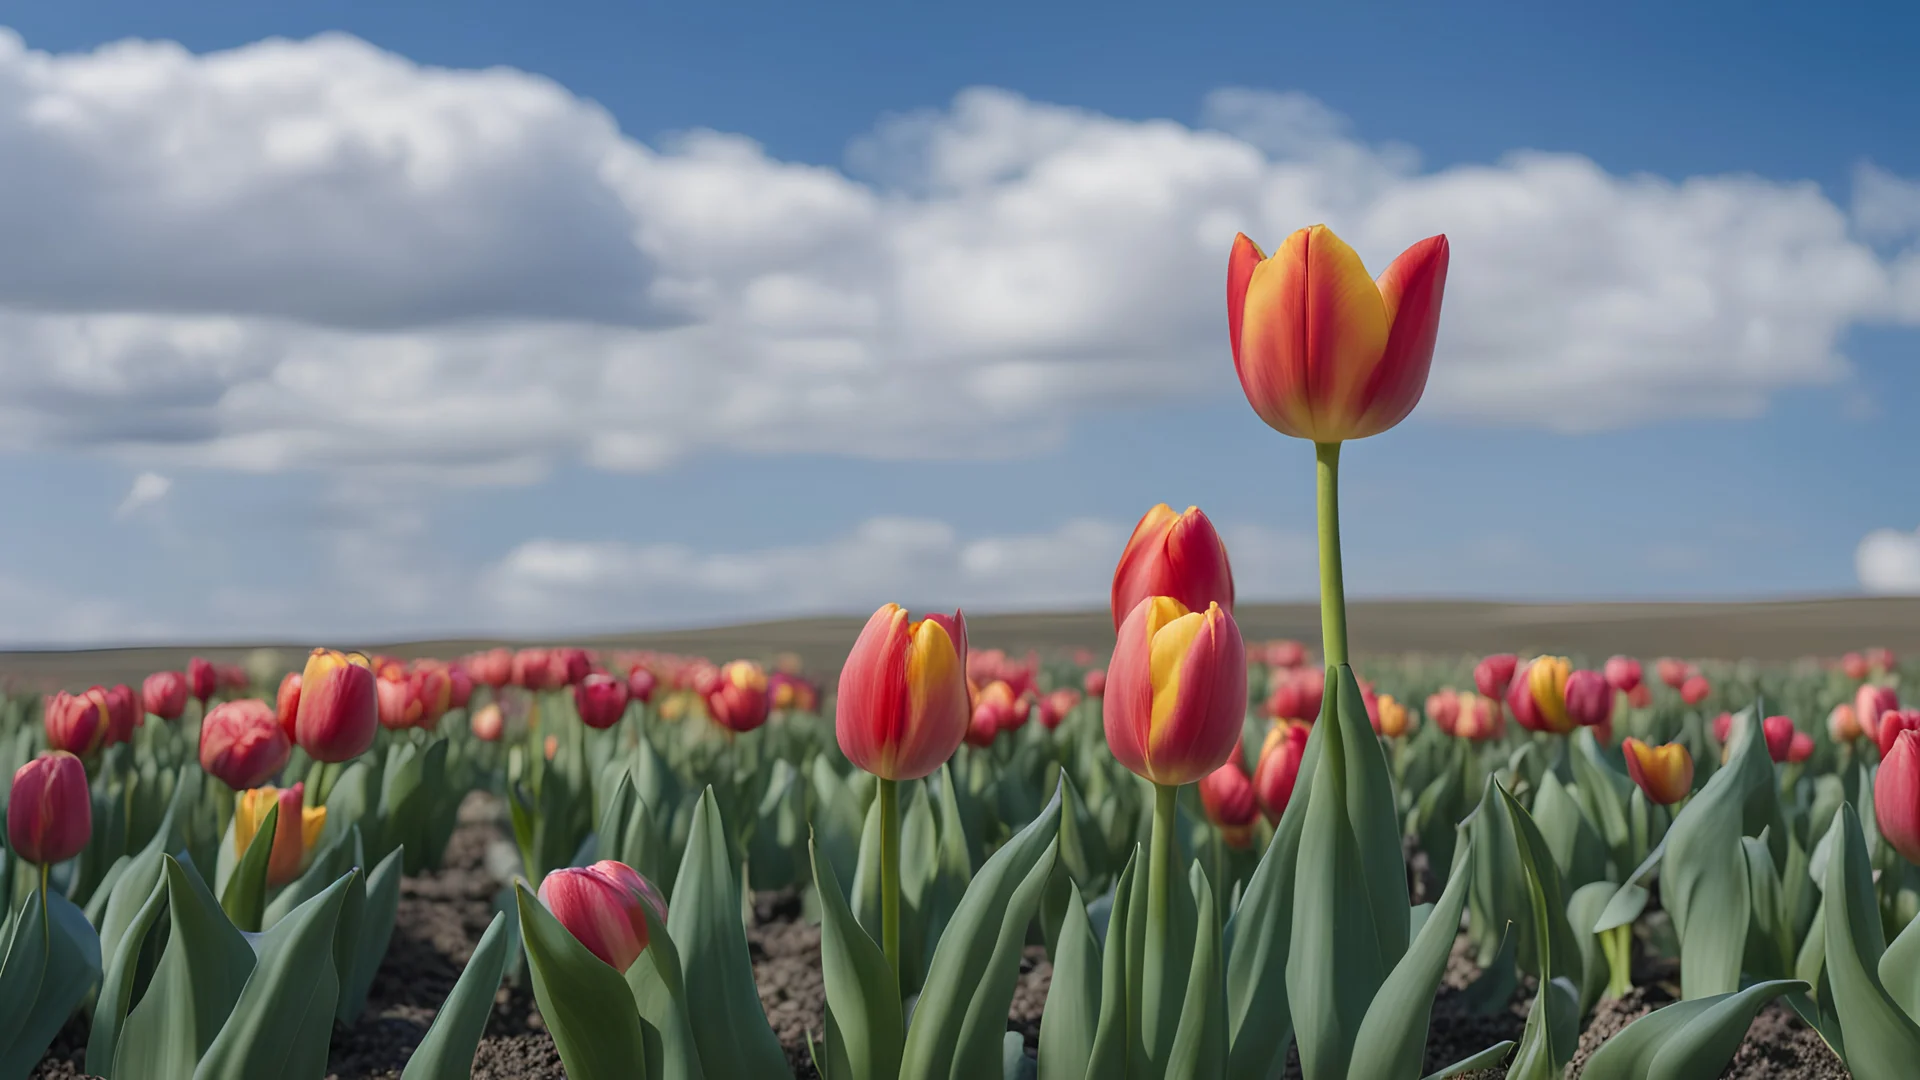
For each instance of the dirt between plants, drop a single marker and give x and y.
(443, 913)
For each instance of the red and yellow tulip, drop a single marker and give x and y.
(1177, 555)
(1176, 690)
(1664, 773)
(295, 833)
(903, 706)
(338, 711)
(738, 701)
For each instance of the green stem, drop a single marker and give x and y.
(890, 872)
(1617, 944)
(1333, 588)
(1159, 920)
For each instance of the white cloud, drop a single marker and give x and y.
(317, 253)
(564, 585)
(1888, 562)
(1885, 206)
(148, 489)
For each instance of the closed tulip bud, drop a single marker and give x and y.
(432, 684)
(1665, 773)
(165, 694)
(202, 679)
(983, 726)
(1896, 796)
(1494, 675)
(287, 703)
(738, 702)
(460, 686)
(49, 811)
(1671, 671)
(1480, 718)
(1778, 731)
(339, 707)
(1179, 691)
(1801, 748)
(1279, 767)
(533, 669)
(1443, 708)
(1890, 727)
(295, 832)
(1623, 673)
(1094, 682)
(571, 665)
(242, 744)
(605, 908)
(1392, 718)
(1842, 725)
(1324, 352)
(1870, 703)
(75, 723)
(641, 684)
(1589, 698)
(399, 708)
(1640, 696)
(601, 700)
(1520, 702)
(1057, 705)
(232, 678)
(1695, 689)
(1546, 687)
(1227, 795)
(1855, 666)
(493, 668)
(1177, 555)
(1723, 728)
(487, 722)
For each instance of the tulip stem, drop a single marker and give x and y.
(890, 872)
(1333, 588)
(1158, 1023)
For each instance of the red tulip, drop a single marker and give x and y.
(1896, 796)
(1480, 718)
(1801, 748)
(1443, 708)
(1055, 706)
(49, 812)
(202, 679)
(1493, 675)
(573, 664)
(1589, 698)
(1177, 555)
(1286, 654)
(995, 710)
(242, 743)
(287, 703)
(1298, 696)
(1672, 672)
(487, 723)
(1664, 773)
(1890, 727)
(399, 708)
(1870, 703)
(601, 700)
(432, 685)
(75, 723)
(1623, 673)
(339, 707)
(123, 714)
(1227, 795)
(640, 685)
(1723, 728)
(605, 908)
(1855, 666)
(1778, 731)
(1520, 702)
(492, 668)
(1640, 697)
(1094, 682)
(903, 706)
(1695, 689)
(738, 702)
(1179, 691)
(461, 684)
(1279, 768)
(1880, 659)
(165, 694)
(534, 669)
(1323, 352)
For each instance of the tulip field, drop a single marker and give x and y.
(1168, 852)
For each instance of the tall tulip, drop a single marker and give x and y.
(1623, 673)
(739, 701)
(202, 680)
(605, 908)
(295, 834)
(1177, 555)
(339, 710)
(1493, 675)
(1664, 773)
(601, 700)
(1279, 767)
(49, 811)
(1887, 732)
(164, 694)
(1896, 796)
(1227, 795)
(75, 723)
(242, 743)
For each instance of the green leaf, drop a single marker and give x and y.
(1072, 1016)
(962, 1011)
(660, 993)
(1881, 1040)
(704, 921)
(1553, 1027)
(585, 1003)
(1583, 910)
(281, 1024)
(446, 1053)
(1578, 850)
(1900, 969)
(144, 872)
(194, 987)
(1553, 1024)
(1392, 1041)
(1687, 1039)
(71, 952)
(867, 1028)
(1705, 869)
(1200, 1043)
(116, 988)
(24, 967)
(1485, 1059)
(1116, 1048)
(372, 933)
(245, 897)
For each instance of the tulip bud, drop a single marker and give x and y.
(1623, 673)
(1695, 689)
(432, 686)
(1177, 555)
(339, 710)
(49, 811)
(1855, 666)
(551, 746)
(994, 711)
(1801, 748)
(487, 723)
(1723, 728)
(1589, 698)
(1323, 352)
(738, 702)
(601, 700)
(460, 683)
(493, 668)
(605, 907)
(394, 698)
(538, 669)
(1443, 708)
(1891, 725)
(1227, 795)
(242, 744)
(1672, 672)
(1842, 725)
(202, 679)
(287, 703)
(983, 726)
(1778, 731)
(1480, 718)
(1179, 693)
(75, 723)
(1545, 688)
(165, 694)
(1279, 768)
(1870, 703)
(1880, 659)
(1286, 654)
(1493, 675)
(1665, 773)
(1896, 796)
(1094, 682)
(1391, 718)
(571, 665)
(641, 684)
(123, 714)
(1055, 706)
(295, 832)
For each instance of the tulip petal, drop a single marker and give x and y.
(1240, 264)
(1410, 291)
(1314, 329)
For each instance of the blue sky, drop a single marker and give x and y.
(406, 350)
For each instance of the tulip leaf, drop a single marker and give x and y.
(1553, 1023)
(1014, 1062)
(245, 897)
(660, 993)
(1696, 1037)
(1575, 844)
(1900, 969)
(1881, 1039)
(1116, 1049)
(1705, 870)
(585, 1003)
(866, 1030)
(865, 898)
(143, 874)
(1072, 1016)
(116, 987)
(446, 1053)
(51, 925)
(1489, 1058)
(1553, 1026)
(1392, 1039)
(284, 1018)
(371, 933)
(1200, 1043)
(704, 921)
(1583, 910)
(194, 988)
(962, 1011)
(1623, 907)
(24, 966)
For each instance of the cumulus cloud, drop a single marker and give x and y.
(1888, 562)
(303, 253)
(148, 488)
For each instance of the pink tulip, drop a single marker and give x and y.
(242, 743)
(1896, 796)
(75, 723)
(1494, 674)
(1179, 691)
(1623, 673)
(165, 694)
(605, 908)
(49, 811)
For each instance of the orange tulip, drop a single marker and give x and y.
(487, 723)
(1393, 719)
(1176, 691)
(1177, 555)
(1842, 723)
(1323, 351)
(295, 833)
(1872, 702)
(1665, 773)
